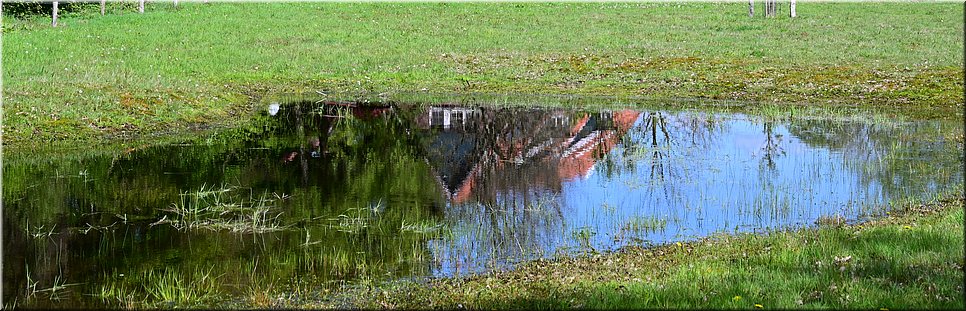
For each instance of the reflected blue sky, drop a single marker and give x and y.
(743, 174)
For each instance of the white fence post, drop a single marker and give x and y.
(791, 11)
(140, 6)
(751, 8)
(53, 22)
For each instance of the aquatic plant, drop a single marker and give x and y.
(121, 293)
(421, 227)
(643, 224)
(169, 286)
(582, 236)
(223, 209)
(357, 220)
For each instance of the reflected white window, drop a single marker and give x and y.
(435, 117)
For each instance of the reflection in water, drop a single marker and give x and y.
(359, 194)
(503, 173)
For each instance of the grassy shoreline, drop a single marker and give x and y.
(254, 119)
(172, 69)
(912, 258)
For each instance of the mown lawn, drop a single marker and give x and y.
(172, 69)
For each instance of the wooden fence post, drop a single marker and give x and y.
(53, 22)
(140, 6)
(791, 11)
(751, 8)
(102, 6)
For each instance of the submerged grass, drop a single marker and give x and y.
(910, 259)
(640, 225)
(222, 208)
(173, 287)
(162, 288)
(174, 68)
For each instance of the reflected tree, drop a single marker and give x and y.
(773, 145)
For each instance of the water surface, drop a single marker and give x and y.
(325, 194)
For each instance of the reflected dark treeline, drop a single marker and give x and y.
(332, 160)
(396, 191)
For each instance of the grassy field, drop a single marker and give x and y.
(173, 69)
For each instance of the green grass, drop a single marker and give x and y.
(156, 289)
(912, 259)
(172, 69)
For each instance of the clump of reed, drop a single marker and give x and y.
(225, 208)
(643, 225)
(359, 220)
(174, 286)
(167, 287)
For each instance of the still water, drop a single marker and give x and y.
(321, 195)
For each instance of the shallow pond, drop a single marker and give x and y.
(323, 195)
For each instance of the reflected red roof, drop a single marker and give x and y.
(574, 162)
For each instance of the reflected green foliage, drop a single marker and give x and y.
(336, 217)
